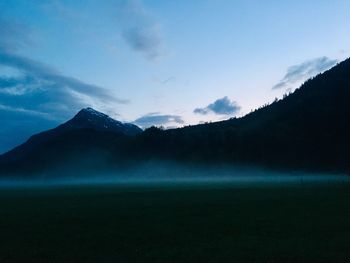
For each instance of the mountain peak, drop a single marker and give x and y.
(89, 118)
(91, 112)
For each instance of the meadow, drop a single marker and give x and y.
(176, 223)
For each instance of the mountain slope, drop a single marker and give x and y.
(80, 141)
(309, 129)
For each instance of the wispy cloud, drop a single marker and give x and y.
(34, 75)
(63, 11)
(223, 106)
(39, 73)
(164, 81)
(26, 111)
(301, 72)
(14, 35)
(157, 119)
(133, 23)
(139, 29)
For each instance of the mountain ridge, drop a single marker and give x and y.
(306, 130)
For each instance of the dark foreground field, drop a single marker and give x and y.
(176, 224)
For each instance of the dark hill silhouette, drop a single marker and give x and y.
(308, 129)
(83, 140)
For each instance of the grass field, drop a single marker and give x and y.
(277, 223)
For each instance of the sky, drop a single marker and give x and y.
(158, 62)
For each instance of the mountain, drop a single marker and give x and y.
(306, 130)
(81, 140)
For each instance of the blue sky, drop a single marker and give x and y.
(169, 63)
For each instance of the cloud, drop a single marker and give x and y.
(157, 119)
(164, 81)
(223, 106)
(42, 74)
(139, 30)
(34, 76)
(301, 72)
(132, 22)
(63, 11)
(14, 35)
(144, 39)
(25, 111)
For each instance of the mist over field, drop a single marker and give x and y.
(223, 215)
(169, 173)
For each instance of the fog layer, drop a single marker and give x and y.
(170, 173)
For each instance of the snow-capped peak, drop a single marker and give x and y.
(93, 119)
